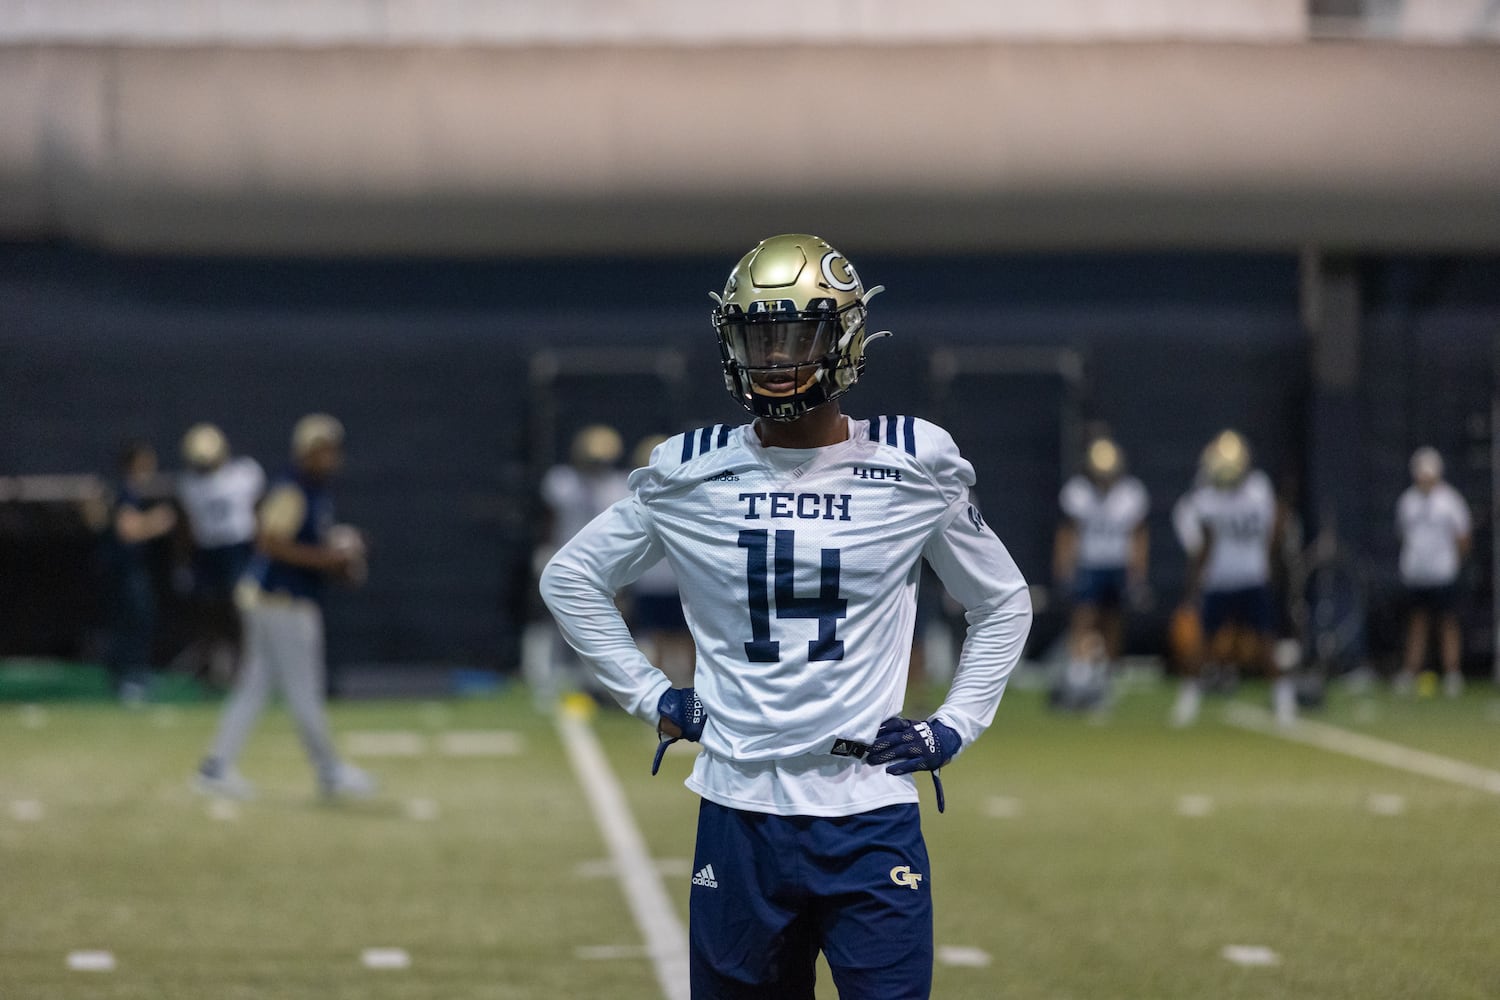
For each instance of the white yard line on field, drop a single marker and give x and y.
(1352, 744)
(664, 934)
(385, 958)
(91, 961)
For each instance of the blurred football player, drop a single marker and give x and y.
(1235, 520)
(573, 494)
(298, 547)
(130, 596)
(656, 605)
(796, 540)
(1101, 547)
(1434, 524)
(218, 493)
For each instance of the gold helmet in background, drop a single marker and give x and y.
(1226, 459)
(597, 444)
(204, 446)
(1103, 460)
(791, 326)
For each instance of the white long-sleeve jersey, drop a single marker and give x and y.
(798, 570)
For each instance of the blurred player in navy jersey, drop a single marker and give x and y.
(298, 549)
(1233, 518)
(1435, 527)
(134, 523)
(796, 540)
(218, 493)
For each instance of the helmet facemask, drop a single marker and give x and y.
(780, 362)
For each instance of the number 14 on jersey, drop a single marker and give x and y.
(826, 608)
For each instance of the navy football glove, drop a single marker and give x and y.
(909, 746)
(682, 707)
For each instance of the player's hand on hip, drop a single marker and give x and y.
(908, 745)
(681, 717)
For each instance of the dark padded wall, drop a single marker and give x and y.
(427, 363)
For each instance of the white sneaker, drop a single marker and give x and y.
(223, 783)
(1404, 685)
(1453, 684)
(1185, 709)
(349, 782)
(1284, 702)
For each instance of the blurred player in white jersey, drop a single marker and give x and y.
(573, 494)
(1235, 514)
(1435, 528)
(1101, 549)
(576, 492)
(797, 540)
(656, 605)
(218, 492)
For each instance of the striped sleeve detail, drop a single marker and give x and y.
(898, 432)
(704, 440)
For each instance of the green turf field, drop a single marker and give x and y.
(1065, 857)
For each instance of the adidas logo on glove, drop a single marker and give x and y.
(705, 877)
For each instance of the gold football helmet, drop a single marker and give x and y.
(791, 326)
(1103, 461)
(204, 446)
(1226, 459)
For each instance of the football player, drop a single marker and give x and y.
(1234, 517)
(573, 493)
(1434, 524)
(218, 492)
(1101, 546)
(797, 540)
(297, 548)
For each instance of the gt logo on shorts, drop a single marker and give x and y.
(903, 875)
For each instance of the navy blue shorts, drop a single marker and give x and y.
(1440, 600)
(770, 892)
(659, 613)
(1249, 608)
(1102, 588)
(216, 571)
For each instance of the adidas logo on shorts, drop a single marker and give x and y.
(705, 877)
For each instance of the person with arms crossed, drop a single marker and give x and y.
(1230, 569)
(1434, 524)
(134, 524)
(297, 548)
(797, 540)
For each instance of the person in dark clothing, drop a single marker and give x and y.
(131, 601)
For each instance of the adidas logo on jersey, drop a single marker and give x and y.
(705, 877)
(727, 476)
